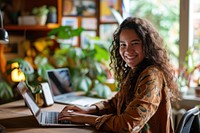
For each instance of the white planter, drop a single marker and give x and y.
(26, 20)
(41, 20)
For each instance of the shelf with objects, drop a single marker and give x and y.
(22, 15)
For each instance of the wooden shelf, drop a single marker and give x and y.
(106, 22)
(30, 27)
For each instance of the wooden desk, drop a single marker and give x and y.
(16, 117)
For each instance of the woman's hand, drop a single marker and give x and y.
(80, 109)
(77, 117)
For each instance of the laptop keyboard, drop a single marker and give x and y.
(52, 117)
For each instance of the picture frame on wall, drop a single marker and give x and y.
(106, 31)
(70, 21)
(89, 7)
(68, 8)
(85, 38)
(106, 14)
(73, 22)
(89, 23)
(79, 8)
(14, 48)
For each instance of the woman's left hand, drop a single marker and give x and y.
(77, 117)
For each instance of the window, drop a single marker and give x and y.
(190, 39)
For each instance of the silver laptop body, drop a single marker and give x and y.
(61, 87)
(44, 118)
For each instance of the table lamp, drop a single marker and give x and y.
(3, 41)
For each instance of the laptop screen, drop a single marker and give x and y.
(59, 81)
(28, 97)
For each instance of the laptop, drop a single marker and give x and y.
(62, 91)
(44, 118)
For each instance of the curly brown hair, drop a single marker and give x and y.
(153, 47)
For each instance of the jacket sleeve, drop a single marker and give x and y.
(108, 106)
(143, 106)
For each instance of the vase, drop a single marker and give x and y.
(51, 18)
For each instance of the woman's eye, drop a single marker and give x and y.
(135, 43)
(122, 45)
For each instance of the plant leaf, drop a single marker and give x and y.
(102, 90)
(84, 84)
(5, 90)
(42, 71)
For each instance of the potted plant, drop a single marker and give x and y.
(189, 74)
(87, 65)
(40, 14)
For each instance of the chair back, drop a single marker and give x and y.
(190, 122)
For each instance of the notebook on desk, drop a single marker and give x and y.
(61, 86)
(44, 118)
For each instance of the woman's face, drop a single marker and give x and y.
(131, 48)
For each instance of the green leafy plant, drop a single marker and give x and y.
(52, 9)
(64, 33)
(43, 65)
(46, 47)
(40, 11)
(87, 65)
(6, 92)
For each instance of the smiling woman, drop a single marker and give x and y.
(146, 81)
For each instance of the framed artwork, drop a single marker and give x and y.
(85, 38)
(89, 7)
(106, 14)
(89, 23)
(106, 31)
(70, 21)
(14, 48)
(73, 22)
(68, 8)
(79, 8)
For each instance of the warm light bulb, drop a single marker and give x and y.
(17, 75)
(14, 65)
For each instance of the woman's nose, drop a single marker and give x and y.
(129, 48)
